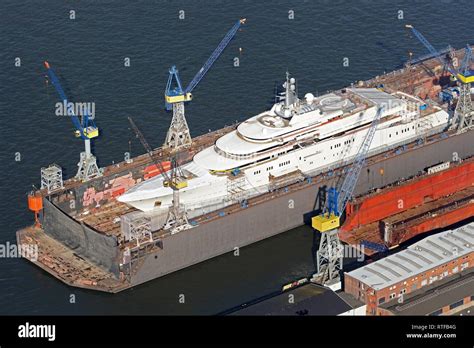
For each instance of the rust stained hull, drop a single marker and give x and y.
(439, 221)
(397, 214)
(416, 192)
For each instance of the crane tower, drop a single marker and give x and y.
(175, 96)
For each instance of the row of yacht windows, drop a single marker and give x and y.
(271, 167)
(278, 154)
(346, 142)
(232, 156)
(244, 157)
(349, 141)
(402, 131)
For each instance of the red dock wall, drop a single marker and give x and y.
(398, 199)
(436, 222)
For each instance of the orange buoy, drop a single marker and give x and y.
(35, 204)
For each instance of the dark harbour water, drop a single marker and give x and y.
(88, 55)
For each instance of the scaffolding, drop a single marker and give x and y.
(177, 219)
(236, 188)
(52, 178)
(464, 109)
(178, 135)
(329, 258)
(87, 165)
(139, 230)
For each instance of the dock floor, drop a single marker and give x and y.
(61, 262)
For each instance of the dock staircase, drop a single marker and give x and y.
(277, 182)
(236, 187)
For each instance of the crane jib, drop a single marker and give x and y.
(350, 181)
(464, 68)
(438, 56)
(217, 52)
(149, 150)
(70, 112)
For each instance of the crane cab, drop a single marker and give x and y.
(466, 78)
(325, 222)
(178, 183)
(89, 132)
(178, 98)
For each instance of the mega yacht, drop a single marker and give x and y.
(295, 138)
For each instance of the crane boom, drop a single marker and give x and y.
(177, 94)
(217, 52)
(85, 129)
(70, 112)
(463, 118)
(350, 180)
(149, 150)
(464, 67)
(430, 48)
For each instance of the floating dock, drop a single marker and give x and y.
(81, 239)
(441, 196)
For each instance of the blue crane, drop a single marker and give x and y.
(329, 256)
(85, 128)
(464, 70)
(463, 73)
(177, 94)
(339, 197)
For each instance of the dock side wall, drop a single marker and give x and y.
(286, 211)
(98, 248)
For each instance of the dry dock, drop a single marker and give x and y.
(82, 244)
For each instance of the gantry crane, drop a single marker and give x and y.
(175, 180)
(85, 129)
(465, 76)
(329, 254)
(175, 96)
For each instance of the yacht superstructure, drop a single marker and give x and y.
(301, 136)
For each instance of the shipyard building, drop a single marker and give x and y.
(438, 269)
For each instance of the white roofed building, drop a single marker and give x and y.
(421, 264)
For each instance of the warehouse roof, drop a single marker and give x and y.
(418, 258)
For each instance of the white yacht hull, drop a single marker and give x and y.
(216, 190)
